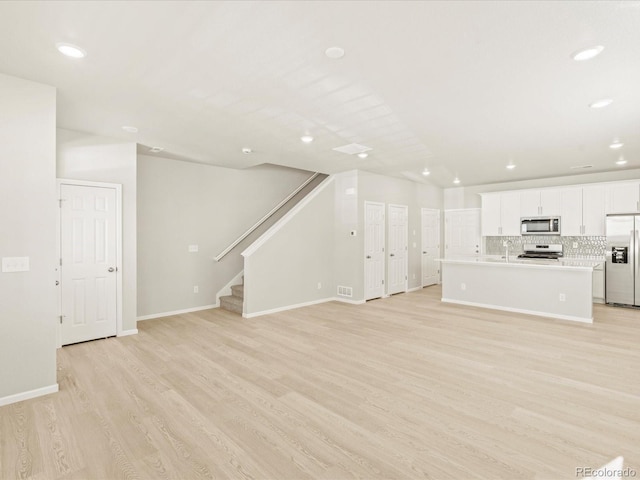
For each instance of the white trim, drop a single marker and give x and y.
(304, 304)
(351, 302)
(288, 307)
(177, 312)
(119, 292)
(415, 289)
(264, 238)
(126, 333)
(19, 397)
(226, 290)
(520, 310)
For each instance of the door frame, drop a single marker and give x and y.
(406, 277)
(438, 211)
(384, 243)
(118, 190)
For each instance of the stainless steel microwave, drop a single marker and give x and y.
(540, 226)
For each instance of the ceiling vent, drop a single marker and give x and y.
(352, 149)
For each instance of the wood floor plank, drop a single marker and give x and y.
(398, 388)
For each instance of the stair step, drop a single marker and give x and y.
(231, 303)
(237, 291)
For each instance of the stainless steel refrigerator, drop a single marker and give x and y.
(622, 278)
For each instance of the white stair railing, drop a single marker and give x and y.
(251, 229)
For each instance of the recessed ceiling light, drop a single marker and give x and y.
(605, 102)
(130, 129)
(616, 145)
(426, 172)
(306, 138)
(587, 53)
(511, 166)
(156, 149)
(456, 180)
(71, 50)
(363, 155)
(622, 161)
(246, 151)
(334, 52)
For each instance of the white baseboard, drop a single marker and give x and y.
(414, 289)
(288, 307)
(351, 302)
(520, 310)
(177, 312)
(305, 304)
(19, 397)
(125, 333)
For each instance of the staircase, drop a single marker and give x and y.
(234, 302)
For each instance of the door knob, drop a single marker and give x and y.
(368, 256)
(424, 253)
(111, 269)
(392, 255)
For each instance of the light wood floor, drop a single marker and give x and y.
(404, 387)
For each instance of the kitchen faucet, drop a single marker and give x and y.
(507, 244)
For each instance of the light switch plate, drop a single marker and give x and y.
(193, 248)
(15, 264)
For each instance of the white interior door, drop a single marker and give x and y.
(462, 232)
(398, 249)
(430, 246)
(88, 272)
(373, 250)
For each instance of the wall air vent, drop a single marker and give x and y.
(345, 291)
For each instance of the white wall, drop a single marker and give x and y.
(294, 266)
(28, 206)
(99, 159)
(182, 204)
(468, 197)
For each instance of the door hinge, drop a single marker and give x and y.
(61, 262)
(406, 278)
(382, 282)
(60, 200)
(61, 319)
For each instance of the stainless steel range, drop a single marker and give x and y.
(552, 251)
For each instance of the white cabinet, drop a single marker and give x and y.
(593, 210)
(501, 214)
(535, 203)
(623, 198)
(582, 211)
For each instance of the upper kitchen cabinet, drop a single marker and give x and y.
(501, 214)
(623, 198)
(582, 211)
(536, 203)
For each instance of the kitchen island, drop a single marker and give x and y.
(551, 288)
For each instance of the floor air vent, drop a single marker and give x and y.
(345, 291)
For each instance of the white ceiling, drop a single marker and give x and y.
(462, 88)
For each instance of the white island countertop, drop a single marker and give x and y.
(496, 260)
(551, 288)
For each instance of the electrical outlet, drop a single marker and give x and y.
(575, 244)
(15, 264)
(463, 286)
(414, 276)
(562, 297)
(196, 289)
(319, 285)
